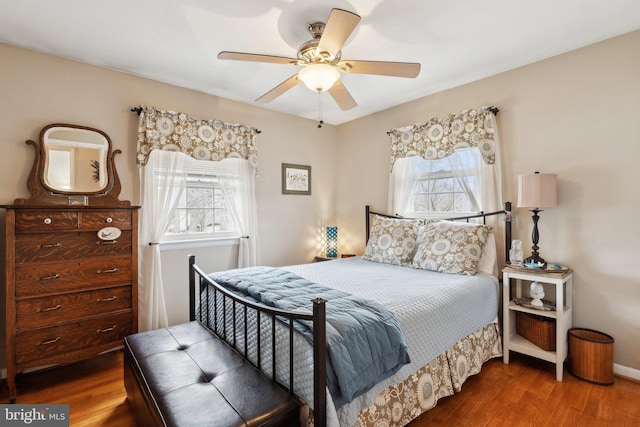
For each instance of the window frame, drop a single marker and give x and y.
(472, 171)
(200, 239)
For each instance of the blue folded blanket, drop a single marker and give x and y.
(364, 342)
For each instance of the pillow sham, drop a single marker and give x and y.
(392, 240)
(451, 247)
(489, 259)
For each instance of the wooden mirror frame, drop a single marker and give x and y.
(41, 194)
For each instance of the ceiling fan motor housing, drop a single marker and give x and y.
(308, 51)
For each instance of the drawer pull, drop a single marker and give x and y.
(50, 341)
(113, 270)
(55, 276)
(102, 331)
(107, 242)
(54, 245)
(113, 298)
(47, 221)
(42, 310)
(109, 220)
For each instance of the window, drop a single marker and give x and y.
(201, 211)
(447, 187)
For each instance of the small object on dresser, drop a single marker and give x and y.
(536, 290)
(515, 253)
(534, 265)
(556, 268)
(538, 329)
(526, 302)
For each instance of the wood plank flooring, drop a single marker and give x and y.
(523, 393)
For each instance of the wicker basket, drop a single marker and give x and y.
(538, 329)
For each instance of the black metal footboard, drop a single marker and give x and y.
(207, 298)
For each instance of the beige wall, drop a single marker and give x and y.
(576, 115)
(38, 89)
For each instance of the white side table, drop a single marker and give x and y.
(563, 295)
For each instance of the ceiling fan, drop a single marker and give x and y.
(322, 61)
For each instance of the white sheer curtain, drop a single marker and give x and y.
(492, 197)
(492, 181)
(484, 195)
(402, 182)
(238, 186)
(162, 182)
(461, 161)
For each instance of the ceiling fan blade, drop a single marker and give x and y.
(395, 69)
(339, 27)
(279, 90)
(342, 96)
(239, 56)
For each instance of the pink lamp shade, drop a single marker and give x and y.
(538, 190)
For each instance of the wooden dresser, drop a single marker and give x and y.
(70, 294)
(71, 252)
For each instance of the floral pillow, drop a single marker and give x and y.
(392, 240)
(451, 247)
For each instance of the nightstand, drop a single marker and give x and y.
(323, 258)
(562, 315)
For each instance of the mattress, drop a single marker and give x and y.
(435, 312)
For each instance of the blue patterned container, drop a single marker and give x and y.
(332, 242)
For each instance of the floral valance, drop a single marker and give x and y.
(201, 139)
(438, 138)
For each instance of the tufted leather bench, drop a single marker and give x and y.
(185, 375)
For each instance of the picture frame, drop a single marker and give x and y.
(296, 179)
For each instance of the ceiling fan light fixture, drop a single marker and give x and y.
(319, 77)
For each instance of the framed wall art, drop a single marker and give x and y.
(296, 179)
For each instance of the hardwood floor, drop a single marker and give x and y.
(523, 393)
(94, 390)
(526, 393)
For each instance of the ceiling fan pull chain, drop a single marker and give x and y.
(320, 122)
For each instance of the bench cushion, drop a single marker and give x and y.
(184, 376)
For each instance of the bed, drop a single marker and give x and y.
(434, 281)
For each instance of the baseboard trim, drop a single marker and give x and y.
(626, 372)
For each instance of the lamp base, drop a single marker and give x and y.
(535, 259)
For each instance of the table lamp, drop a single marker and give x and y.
(537, 191)
(332, 242)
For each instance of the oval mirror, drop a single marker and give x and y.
(75, 159)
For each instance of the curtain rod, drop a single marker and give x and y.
(493, 109)
(138, 110)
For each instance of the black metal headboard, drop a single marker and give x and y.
(507, 222)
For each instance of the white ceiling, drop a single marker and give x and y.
(176, 41)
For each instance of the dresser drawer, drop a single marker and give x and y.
(95, 220)
(49, 278)
(44, 311)
(67, 246)
(48, 342)
(43, 221)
